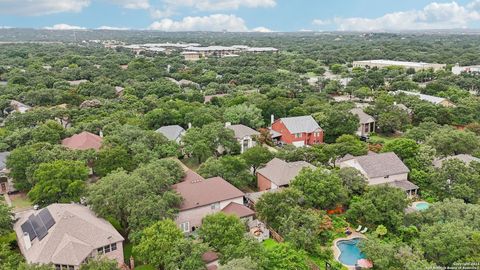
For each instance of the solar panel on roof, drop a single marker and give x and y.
(27, 228)
(47, 218)
(38, 226)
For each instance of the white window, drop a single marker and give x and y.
(215, 206)
(317, 134)
(185, 227)
(107, 249)
(100, 250)
(114, 246)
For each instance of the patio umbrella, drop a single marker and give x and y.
(364, 263)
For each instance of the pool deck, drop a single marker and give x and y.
(336, 250)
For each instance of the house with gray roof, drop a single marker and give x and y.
(244, 135)
(173, 132)
(432, 99)
(278, 173)
(298, 130)
(66, 235)
(383, 168)
(367, 122)
(467, 159)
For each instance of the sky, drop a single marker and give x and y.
(241, 15)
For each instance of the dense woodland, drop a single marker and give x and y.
(136, 162)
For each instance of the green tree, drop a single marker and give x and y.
(404, 148)
(257, 156)
(272, 206)
(9, 259)
(380, 205)
(240, 264)
(353, 180)
(392, 121)
(448, 141)
(305, 228)
(220, 230)
(163, 246)
(140, 198)
(206, 141)
(283, 256)
(336, 122)
(6, 218)
(100, 264)
(381, 231)
(231, 168)
(59, 181)
(248, 115)
(110, 159)
(323, 189)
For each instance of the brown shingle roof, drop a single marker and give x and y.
(197, 191)
(242, 131)
(281, 172)
(83, 141)
(238, 209)
(76, 233)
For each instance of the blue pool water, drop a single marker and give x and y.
(422, 206)
(350, 253)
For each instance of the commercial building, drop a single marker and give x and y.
(388, 63)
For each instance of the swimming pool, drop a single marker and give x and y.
(349, 251)
(422, 206)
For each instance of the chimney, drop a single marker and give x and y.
(26, 240)
(227, 124)
(272, 119)
(189, 125)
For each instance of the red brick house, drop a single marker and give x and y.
(299, 131)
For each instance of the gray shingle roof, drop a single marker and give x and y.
(432, 99)
(462, 157)
(381, 165)
(242, 131)
(171, 132)
(300, 124)
(364, 117)
(3, 160)
(281, 172)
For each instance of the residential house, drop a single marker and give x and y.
(244, 135)
(384, 168)
(208, 98)
(202, 197)
(83, 141)
(6, 183)
(278, 173)
(19, 107)
(77, 82)
(299, 130)
(467, 159)
(367, 122)
(241, 211)
(172, 133)
(432, 99)
(66, 235)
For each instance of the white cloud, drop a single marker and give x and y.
(221, 4)
(63, 26)
(262, 29)
(433, 16)
(133, 4)
(215, 22)
(105, 27)
(321, 22)
(41, 7)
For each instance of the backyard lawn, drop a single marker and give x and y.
(20, 202)
(127, 252)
